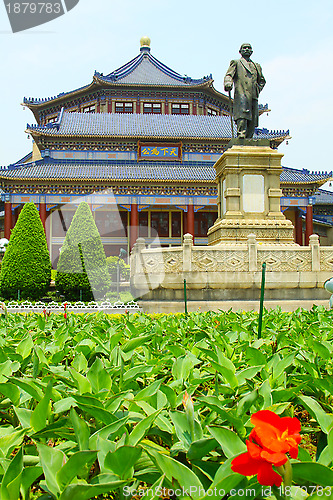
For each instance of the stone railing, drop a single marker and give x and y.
(241, 257)
(230, 266)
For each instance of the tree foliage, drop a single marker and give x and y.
(82, 269)
(26, 265)
(124, 269)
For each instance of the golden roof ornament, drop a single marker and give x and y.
(145, 41)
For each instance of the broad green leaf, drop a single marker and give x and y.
(28, 386)
(81, 430)
(226, 485)
(182, 367)
(80, 363)
(40, 414)
(312, 473)
(7, 368)
(175, 470)
(325, 420)
(107, 432)
(141, 429)
(82, 382)
(148, 391)
(136, 371)
(64, 405)
(227, 373)
(24, 416)
(25, 346)
(247, 374)
(99, 378)
(52, 461)
(201, 448)
(135, 343)
(11, 481)
(121, 461)
(77, 465)
(29, 476)
(321, 350)
(11, 391)
(87, 491)
(229, 441)
(11, 441)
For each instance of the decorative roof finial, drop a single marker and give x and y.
(145, 44)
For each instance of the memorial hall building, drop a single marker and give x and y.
(139, 145)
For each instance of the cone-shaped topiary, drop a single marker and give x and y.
(82, 270)
(26, 265)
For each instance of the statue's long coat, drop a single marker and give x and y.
(248, 81)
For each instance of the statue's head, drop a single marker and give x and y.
(246, 50)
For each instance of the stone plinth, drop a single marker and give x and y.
(248, 179)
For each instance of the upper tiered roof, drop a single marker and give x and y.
(143, 70)
(148, 126)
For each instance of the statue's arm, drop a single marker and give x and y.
(230, 75)
(261, 79)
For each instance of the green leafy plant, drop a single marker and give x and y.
(26, 266)
(82, 270)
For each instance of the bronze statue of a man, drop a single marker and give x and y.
(249, 81)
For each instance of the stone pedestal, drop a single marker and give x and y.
(248, 179)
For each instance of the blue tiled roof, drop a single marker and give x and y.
(145, 69)
(146, 126)
(295, 176)
(324, 197)
(112, 171)
(119, 170)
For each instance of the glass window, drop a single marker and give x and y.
(124, 107)
(160, 223)
(176, 218)
(111, 223)
(202, 222)
(143, 224)
(149, 107)
(89, 109)
(180, 109)
(212, 112)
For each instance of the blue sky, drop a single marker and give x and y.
(292, 40)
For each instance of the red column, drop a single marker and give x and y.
(8, 219)
(109, 106)
(137, 107)
(308, 223)
(190, 220)
(299, 227)
(134, 224)
(42, 213)
(166, 105)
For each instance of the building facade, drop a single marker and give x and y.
(139, 145)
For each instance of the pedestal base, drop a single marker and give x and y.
(248, 179)
(266, 231)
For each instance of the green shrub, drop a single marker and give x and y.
(82, 264)
(124, 268)
(26, 265)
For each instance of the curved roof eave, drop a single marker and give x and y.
(57, 99)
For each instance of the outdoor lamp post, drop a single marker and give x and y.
(122, 255)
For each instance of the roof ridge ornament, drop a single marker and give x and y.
(145, 44)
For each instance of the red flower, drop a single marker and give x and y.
(269, 441)
(276, 434)
(65, 315)
(251, 463)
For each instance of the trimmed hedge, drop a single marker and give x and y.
(82, 262)
(26, 264)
